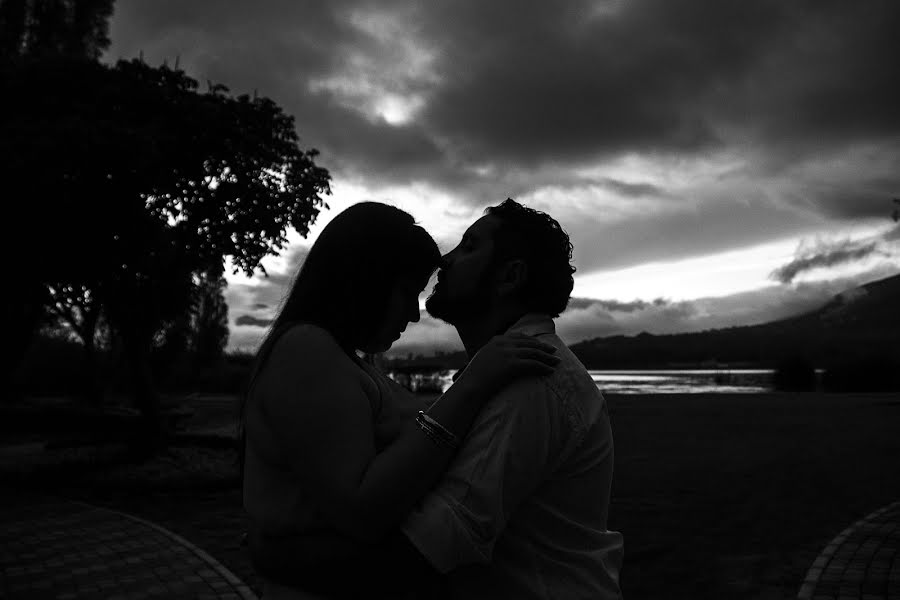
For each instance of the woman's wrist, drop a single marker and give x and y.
(436, 432)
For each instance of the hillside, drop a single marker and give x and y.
(859, 324)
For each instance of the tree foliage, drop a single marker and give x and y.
(134, 184)
(54, 28)
(210, 319)
(133, 165)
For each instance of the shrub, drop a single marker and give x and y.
(794, 374)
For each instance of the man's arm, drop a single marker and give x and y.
(501, 462)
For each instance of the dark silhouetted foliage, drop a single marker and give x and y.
(133, 184)
(54, 366)
(54, 28)
(70, 30)
(794, 374)
(210, 323)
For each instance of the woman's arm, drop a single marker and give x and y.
(399, 407)
(316, 405)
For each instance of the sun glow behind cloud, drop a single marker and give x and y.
(387, 75)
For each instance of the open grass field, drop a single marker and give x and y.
(718, 496)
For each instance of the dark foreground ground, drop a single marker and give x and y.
(735, 496)
(717, 496)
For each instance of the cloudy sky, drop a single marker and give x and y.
(715, 162)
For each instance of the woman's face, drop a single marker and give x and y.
(402, 309)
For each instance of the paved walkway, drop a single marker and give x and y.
(57, 549)
(862, 562)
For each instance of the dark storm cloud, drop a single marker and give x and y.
(252, 321)
(893, 235)
(827, 255)
(517, 84)
(538, 81)
(277, 50)
(614, 305)
(625, 188)
(851, 183)
(541, 81)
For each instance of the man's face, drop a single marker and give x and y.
(464, 288)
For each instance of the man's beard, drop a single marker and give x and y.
(456, 310)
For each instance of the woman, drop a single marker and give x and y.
(335, 454)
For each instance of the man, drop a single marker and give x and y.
(522, 511)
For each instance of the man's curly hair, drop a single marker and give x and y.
(536, 238)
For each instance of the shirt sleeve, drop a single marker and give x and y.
(502, 460)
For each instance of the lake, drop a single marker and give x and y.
(662, 381)
(684, 381)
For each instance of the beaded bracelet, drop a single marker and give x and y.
(438, 436)
(436, 432)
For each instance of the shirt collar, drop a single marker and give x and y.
(533, 324)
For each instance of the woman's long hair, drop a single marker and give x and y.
(346, 281)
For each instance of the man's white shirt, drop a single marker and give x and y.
(522, 510)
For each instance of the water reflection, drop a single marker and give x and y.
(663, 381)
(685, 381)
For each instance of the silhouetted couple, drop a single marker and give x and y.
(499, 489)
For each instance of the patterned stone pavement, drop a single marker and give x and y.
(57, 549)
(862, 562)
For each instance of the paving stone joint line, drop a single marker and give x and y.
(816, 571)
(242, 589)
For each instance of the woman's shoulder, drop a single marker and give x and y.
(308, 335)
(305, 345)
(307, 358)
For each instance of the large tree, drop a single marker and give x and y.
(133, 182)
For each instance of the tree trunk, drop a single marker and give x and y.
(24, 313)
(151, 436)
(93, 388)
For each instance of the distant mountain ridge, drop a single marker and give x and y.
(857, 324)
